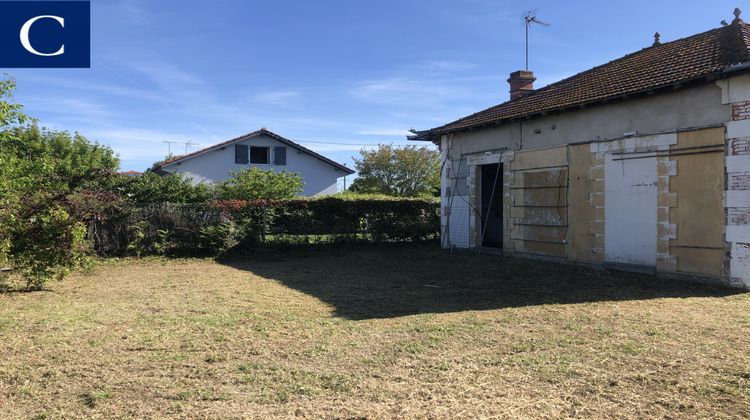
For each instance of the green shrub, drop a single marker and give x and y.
(220, 238)
(153, 188)
(39, 237)
(219, 227)
(45, 245)
(137, 243)
(257, 184)
(164, 243)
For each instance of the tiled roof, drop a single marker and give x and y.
(256, 133)
(696, 58)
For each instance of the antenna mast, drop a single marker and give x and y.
(186, 143)
(169, 146)
(528, 19)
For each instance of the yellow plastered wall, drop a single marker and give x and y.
(585, 225)
(697, 211)
(539, 199)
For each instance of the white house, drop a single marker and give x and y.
(265, 150)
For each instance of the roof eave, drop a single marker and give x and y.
(737, 68)
(423, 135)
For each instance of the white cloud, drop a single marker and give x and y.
(169, 76)
(134, 11)
(277, 97)
(206, 131)
(421, 90)
(404, 89)
(76, 86)
(396, 132)
(68, 108)
(136, 143)
(447, 65)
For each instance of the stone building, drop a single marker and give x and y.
(641, 163)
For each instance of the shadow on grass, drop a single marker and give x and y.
(15, 287)
(385, 281)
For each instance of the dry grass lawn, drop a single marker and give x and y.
(366, 332)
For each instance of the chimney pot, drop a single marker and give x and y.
(521, 83)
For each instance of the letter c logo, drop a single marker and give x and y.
(25, 35)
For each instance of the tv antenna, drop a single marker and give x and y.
(528, 19)
(186, 143)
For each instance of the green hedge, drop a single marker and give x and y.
(218, 227)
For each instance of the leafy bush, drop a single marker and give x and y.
(153, 188)
(39, 239)
(47, 246)
(220, 238)
(384, 219)
(257, 184)
(218, 227)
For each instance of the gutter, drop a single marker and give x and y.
(737, 67)
(419, 135)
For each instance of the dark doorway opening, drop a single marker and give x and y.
(491, 184)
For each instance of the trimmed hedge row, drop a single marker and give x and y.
(218, 227)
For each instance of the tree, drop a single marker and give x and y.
(60, 161)
(254, 183)
(408, 171)
(39, 169)
(153, 188)
(10, 179)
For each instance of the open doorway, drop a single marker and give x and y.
(491, 196)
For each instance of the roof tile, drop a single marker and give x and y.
(662, 65)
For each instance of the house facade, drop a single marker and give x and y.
(642, 163)
(265, 150)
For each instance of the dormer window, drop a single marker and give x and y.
(244, 154)
(259, 155)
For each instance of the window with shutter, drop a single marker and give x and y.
(240, 154)
(259, 155)
(279, 155)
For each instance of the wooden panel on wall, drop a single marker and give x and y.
(552, 197)
(582, 212)
(552, 234)
(542, 216)
(540, 158)
(537, 178)
(699, 214)
(539, 197)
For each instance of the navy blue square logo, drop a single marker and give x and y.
(45, 34)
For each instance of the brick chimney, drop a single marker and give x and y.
(521, 83)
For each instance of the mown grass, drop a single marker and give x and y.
(392, 331)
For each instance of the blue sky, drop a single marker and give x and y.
(335, 75)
